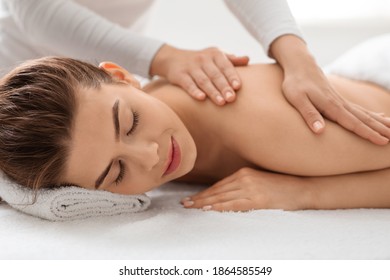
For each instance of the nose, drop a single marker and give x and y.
(144, 154)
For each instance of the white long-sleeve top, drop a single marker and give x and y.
(97, 30)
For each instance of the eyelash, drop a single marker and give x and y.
(132, 129)
(135, 122)
(121, 173)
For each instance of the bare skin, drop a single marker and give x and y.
(235, 146)
(210, 73)
(327, 165)
(263, 129)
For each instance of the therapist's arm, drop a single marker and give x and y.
(305, 86)
(62, 27)
(66, 28)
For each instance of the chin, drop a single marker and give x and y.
(192, 154)
(187, 164)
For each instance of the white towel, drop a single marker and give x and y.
(368, 61)
(69, 202)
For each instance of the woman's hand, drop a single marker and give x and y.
(205, 73)
(249, 189)
(308, 90)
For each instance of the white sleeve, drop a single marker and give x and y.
(66, 28)
(266, 20)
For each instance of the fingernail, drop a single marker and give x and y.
(220, 99)
(235, 84)
(185, 199)
(188, 203)
(206, 207)
(200, 95)
(317, 126)
(229, 95)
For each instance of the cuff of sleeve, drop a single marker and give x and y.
(145, 58)
(273, 35)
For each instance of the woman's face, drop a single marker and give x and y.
(126, 141)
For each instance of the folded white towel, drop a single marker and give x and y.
(69, 202)
(368, 61)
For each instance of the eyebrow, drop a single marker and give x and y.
(115, 113)
(102, 176)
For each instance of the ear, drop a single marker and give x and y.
(119, 73)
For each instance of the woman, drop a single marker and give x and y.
(35, 28)
(68, 122)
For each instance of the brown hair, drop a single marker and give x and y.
(37, 105)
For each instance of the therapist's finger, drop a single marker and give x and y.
(219, 80)
(229, 71)
(204, 83)
(189, 85)
(368, 126)
(310, 114)
(380, 117)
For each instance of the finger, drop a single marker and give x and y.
(238, 60)
(199, 202)
(380, 117)
(370, 128)
(226, 184)
(221, 202)
(205, 84)
(236, 205)
(188, 84)
(220, 80)
(355, 121)
(241, 204)
(227, 67)
(310, 114)
(211, 191)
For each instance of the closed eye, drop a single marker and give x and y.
(121, 173)
(135, 123)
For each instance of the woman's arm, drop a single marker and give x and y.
(356, 190)
(250, 189)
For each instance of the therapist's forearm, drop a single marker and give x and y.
(68, 28)
(291, 53)
(358, 190)
(264, 19)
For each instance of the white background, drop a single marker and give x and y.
(329, 26)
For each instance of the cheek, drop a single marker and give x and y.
(159, 116)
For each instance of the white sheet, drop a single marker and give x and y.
(368, 61)
(168, 231)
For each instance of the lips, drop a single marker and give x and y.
(174, 157)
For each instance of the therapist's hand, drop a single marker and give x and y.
(307, 88)
(205, 73)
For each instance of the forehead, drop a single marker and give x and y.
(92, 134)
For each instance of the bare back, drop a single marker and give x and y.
(262, 129)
